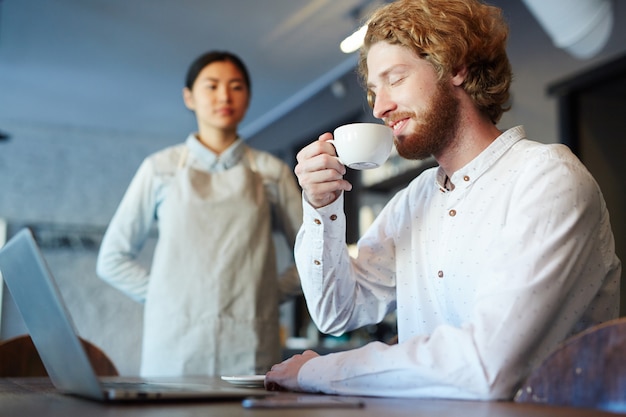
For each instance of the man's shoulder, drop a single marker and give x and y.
(546, 150)
(551, 154)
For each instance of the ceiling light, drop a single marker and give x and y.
(360, 16)
(354, 41)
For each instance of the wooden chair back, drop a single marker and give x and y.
(588, 370)
(19, 358)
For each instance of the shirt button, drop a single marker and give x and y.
(452, 213)
(317, 221)
(316, 262)
(440, 274)
(333, 217)
(466, 178)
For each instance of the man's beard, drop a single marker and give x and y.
(436, 128)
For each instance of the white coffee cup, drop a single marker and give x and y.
(363, 145)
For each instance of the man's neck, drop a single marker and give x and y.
(472, 138)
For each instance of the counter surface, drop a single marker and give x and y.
(36, 397)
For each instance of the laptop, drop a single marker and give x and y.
(38, 299)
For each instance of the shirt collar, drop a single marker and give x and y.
(209, 160)
(485, 160)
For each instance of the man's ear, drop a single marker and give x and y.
(459, 77)
(188, 99)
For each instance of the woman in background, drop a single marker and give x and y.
(213, 290)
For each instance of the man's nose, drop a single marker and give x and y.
(382, 104)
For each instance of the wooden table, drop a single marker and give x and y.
(21, 397)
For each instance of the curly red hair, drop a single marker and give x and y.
(450, 34)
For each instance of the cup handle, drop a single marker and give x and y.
(332, 142)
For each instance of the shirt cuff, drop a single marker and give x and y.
(312, 376)
(325, 222)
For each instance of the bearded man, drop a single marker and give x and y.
(489, 260)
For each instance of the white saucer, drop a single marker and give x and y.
(248, 381)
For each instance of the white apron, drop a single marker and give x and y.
(213, 311)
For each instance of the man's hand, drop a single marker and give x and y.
(320, 173)
(284, 376)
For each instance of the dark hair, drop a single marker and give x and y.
(450, 34)
(215, 56)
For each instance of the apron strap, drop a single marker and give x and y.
(251, 161)
(182, 160)
(271, 198)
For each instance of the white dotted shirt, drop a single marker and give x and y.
(485, 279)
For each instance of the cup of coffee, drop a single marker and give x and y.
(363, 145)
